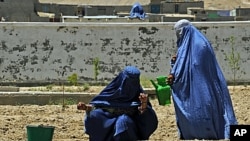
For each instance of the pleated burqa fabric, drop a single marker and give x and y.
(201, 98)
(122, 92)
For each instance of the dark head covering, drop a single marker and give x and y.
(123, 91)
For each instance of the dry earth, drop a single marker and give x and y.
(68, 123)
(69, 126)
(226, 4)
(208, 4)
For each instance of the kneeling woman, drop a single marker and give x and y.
(121, 112)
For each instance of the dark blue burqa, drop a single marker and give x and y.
(137, 12)
(123, 91)
(201, 98)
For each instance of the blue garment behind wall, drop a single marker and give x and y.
(137, 12)
(201, 98)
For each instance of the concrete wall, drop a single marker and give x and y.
(48, 52)
(103, 19)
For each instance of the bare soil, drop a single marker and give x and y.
(69, 125)
(226, 4)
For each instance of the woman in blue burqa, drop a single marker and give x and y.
(201, 98)
(121, 112)
(137, 12)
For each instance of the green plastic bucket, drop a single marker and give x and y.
(40, 133)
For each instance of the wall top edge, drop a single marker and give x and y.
(225, 23)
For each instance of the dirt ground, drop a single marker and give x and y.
(69, 126)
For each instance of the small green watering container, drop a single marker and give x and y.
(40, 133)
(163, 90)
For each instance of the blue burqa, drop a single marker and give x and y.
(137, 12)
(201, 98)
(122, 92)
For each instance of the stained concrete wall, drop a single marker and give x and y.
(47, 52)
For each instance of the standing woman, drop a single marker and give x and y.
(201, 98)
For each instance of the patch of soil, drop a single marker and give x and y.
(69, 125)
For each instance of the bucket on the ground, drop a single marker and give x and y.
(162, 90)
(40, 132)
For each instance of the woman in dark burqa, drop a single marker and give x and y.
(121, 112)
(201, 98)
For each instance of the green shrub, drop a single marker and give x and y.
(233, 59)
(96, 68)
(73, 79)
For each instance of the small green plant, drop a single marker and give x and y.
(49, 87)
(86, 87)
(69, 101)
(51, 102)
(233, 59)
(73, 79)
(63, 102)
(96, 68)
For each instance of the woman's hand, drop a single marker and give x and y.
(83, 106)
(144, 102)
(170, 79)
(173, 60)
(143, 97)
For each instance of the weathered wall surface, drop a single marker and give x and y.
(47, 52)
